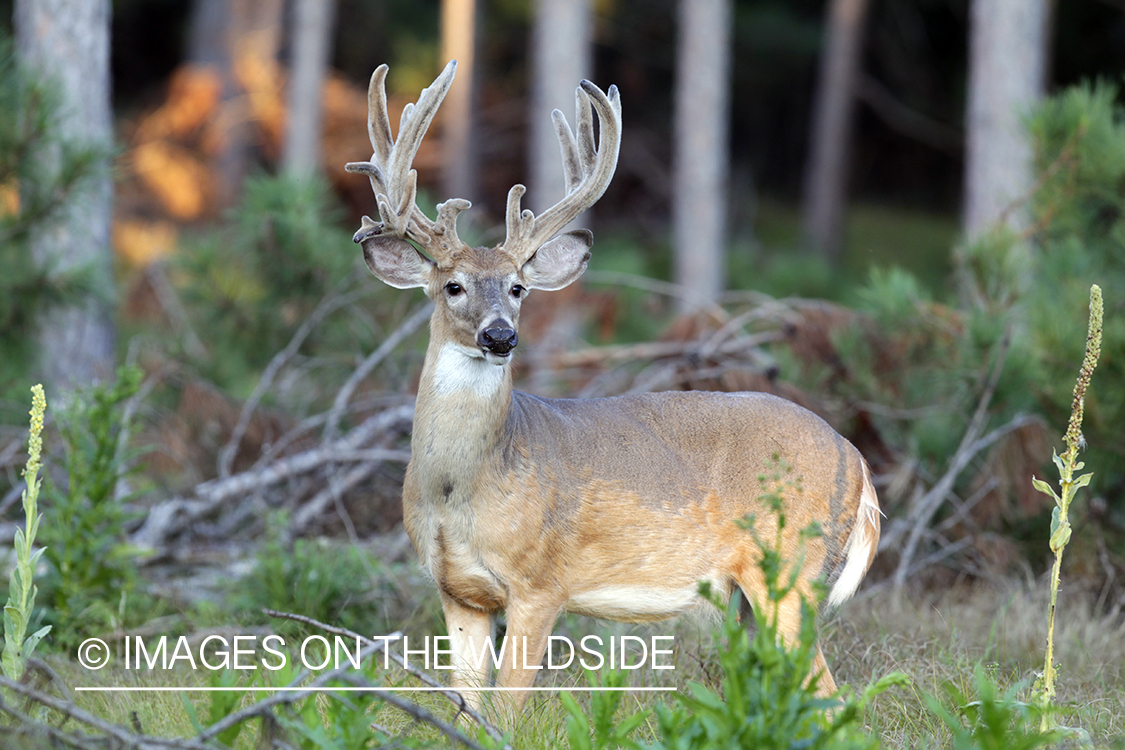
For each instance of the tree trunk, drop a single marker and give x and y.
(223, 32)
(1007, 67)
(826, 174)
(560, 58)
(458, 42)
(312, 48)
(702, 150)
(67, 42)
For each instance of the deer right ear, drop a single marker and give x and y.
(394, 261)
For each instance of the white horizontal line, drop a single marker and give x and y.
(355, 689)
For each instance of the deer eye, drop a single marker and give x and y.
(518, 291)
(453, 289)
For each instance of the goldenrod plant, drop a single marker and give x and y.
(1069, 485)
(21, 586)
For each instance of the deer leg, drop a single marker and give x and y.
(469, 632)
(789, 632)
(529, 626)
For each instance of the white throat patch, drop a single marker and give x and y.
(456, 371)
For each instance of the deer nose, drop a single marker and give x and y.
(498, 338)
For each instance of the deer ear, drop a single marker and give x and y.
(560, 261)
(394, 261)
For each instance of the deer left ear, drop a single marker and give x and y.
(560, 261)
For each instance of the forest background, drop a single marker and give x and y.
(890, 212)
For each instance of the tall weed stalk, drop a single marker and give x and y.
(1069, 485)
(21, 586)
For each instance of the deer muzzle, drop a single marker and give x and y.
(498, 337)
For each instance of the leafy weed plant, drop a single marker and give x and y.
(92, 572)
(18, 646)
(991, 721)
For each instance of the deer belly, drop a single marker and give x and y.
(635, 603)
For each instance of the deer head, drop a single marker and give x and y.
(478, 291)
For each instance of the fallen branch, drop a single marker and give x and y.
(327, 306)
(971, 445)
(659, 350)
(173, 516)
(263, 706)
(336, 487)
(407, 328)
(123, 737)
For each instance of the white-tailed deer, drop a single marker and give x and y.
(616, 507)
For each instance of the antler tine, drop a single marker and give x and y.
(588, 171)
(572, 164)
(393, 181)
(378, 122)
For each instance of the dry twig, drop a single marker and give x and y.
(327, 306)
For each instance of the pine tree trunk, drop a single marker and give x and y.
(702, 149)
(826, 174)
(560, 58)
(458, 42)
(67, 42)
(222, 32)
(1007, 61)
(312, 48)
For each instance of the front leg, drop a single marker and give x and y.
(469, 630)
(529, 625)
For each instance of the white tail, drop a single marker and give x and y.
(614, 508)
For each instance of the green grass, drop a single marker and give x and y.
(935, 640)
(1003, 628)
(874, 235)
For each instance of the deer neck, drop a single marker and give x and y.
(461, 412)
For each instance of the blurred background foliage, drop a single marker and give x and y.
(211, 285)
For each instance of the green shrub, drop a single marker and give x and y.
(918, 366)
(92, 574)
(335, 583)
(252, 282)
(1079, 222)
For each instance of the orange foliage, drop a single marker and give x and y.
(194, 93)
(142, 242)
(178, 178)
(172, 163)
(264, 83)
(9, 198)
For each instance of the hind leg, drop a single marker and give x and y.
(789, 632)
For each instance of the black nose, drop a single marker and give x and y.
(498, 338)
